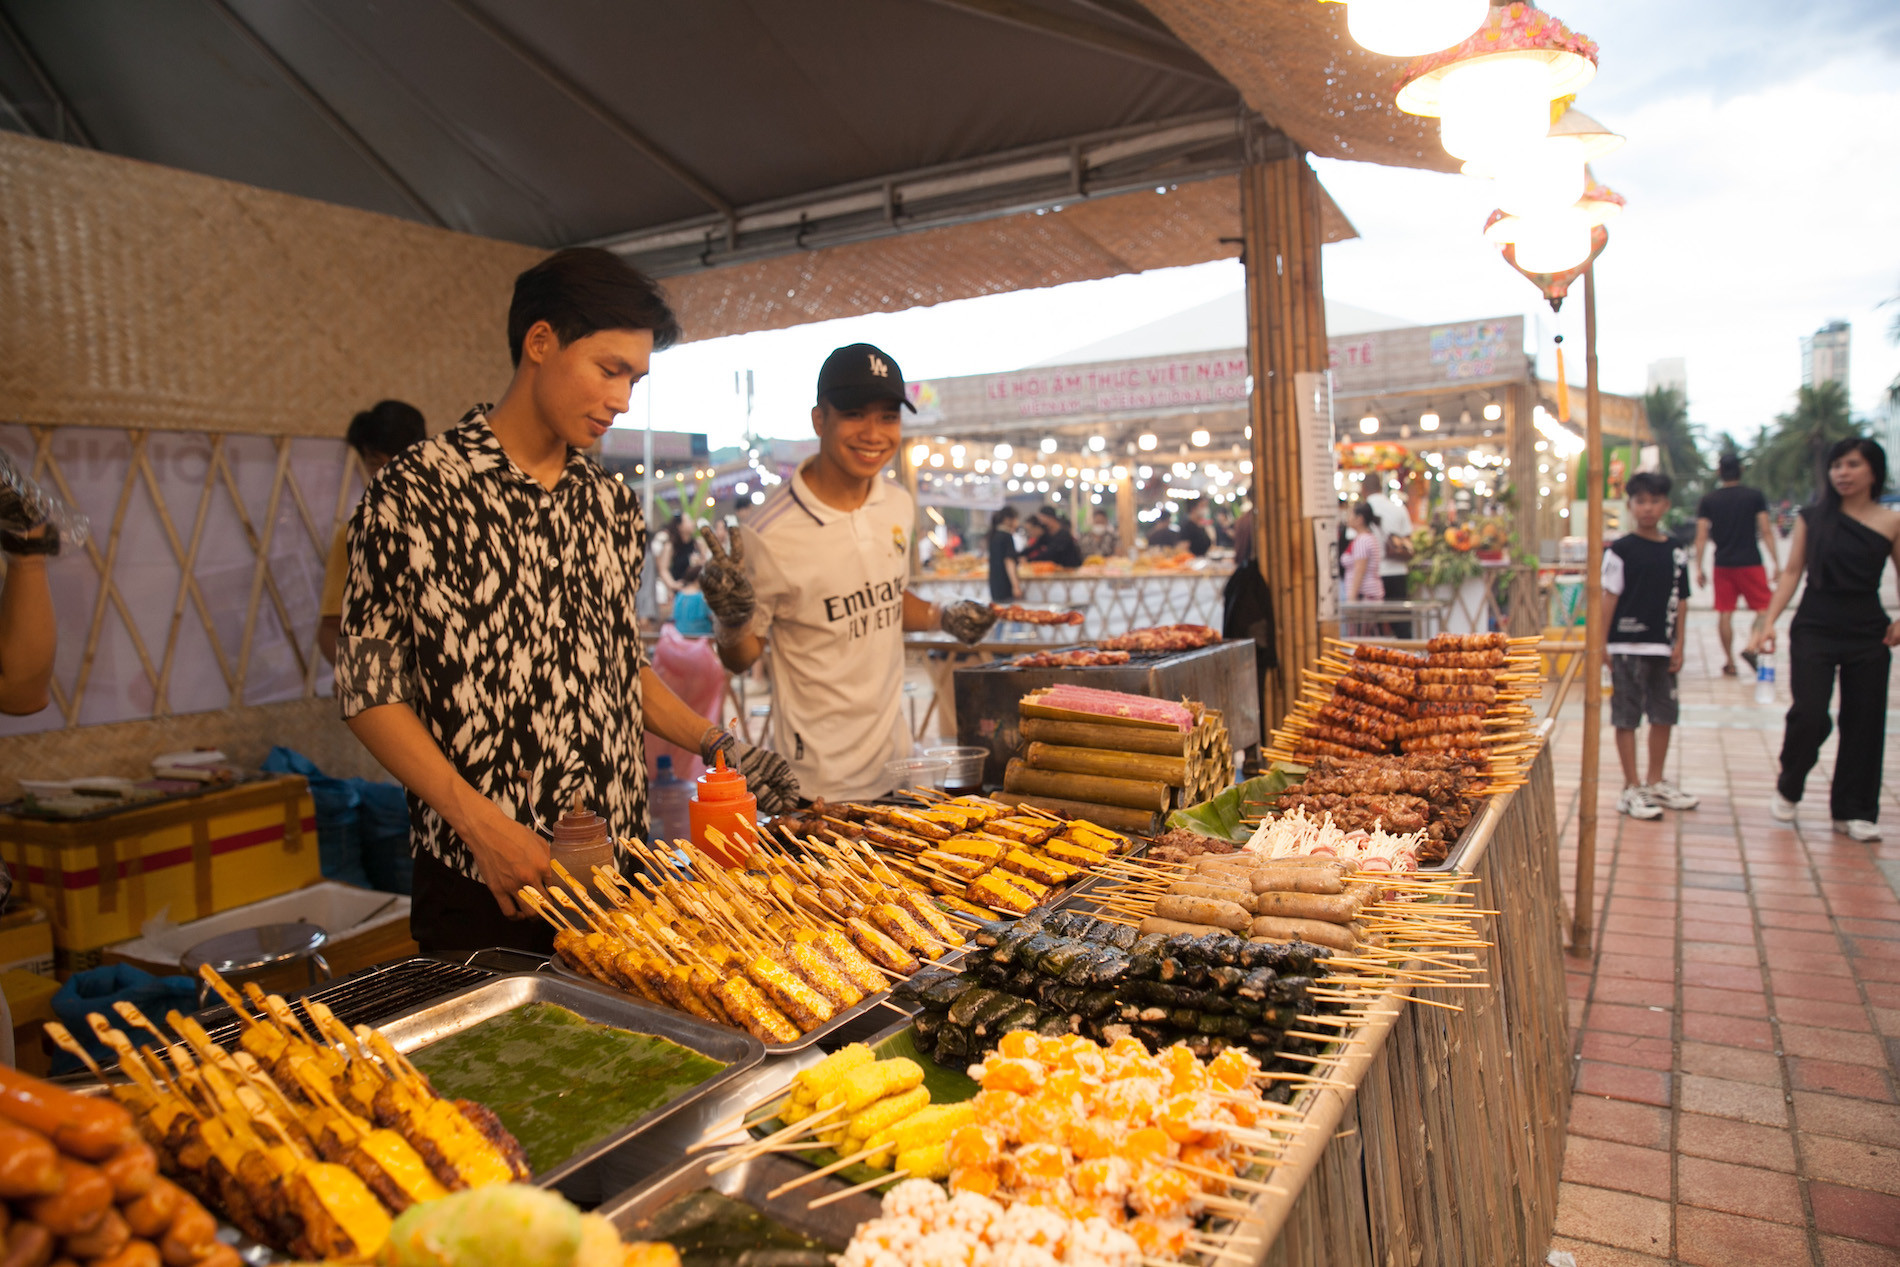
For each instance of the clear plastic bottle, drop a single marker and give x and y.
(1765, 681)
(667, 798)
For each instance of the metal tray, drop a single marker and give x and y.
(460, 1011)
(632, 1213)
(562, 970)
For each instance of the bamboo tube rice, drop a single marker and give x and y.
(1113, 817)
(1132, 793)
(1101, 761)
(1079, 734)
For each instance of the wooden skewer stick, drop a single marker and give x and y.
(822, 1171)
(841, 1194)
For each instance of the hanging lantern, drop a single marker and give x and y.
(1560, 243)
(1555, 286)
(1552, 174)
(1412, 28)
(1492, 93)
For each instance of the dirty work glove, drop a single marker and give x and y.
(768, 776)
(966, 621)
(25, 514)
(726, 588)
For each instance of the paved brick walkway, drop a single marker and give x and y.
(1737, 1030)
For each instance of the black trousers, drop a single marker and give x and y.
(1814, 660)
(451, 915)
(1397, 590)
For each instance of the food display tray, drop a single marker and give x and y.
(562, 970)
(632, 1213)
(468, 1008)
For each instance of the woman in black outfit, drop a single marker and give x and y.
(1843, 541)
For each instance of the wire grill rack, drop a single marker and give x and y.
(363, 998)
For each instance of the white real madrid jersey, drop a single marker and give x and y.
(830, 586)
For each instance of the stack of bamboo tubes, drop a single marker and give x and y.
(1120, 773)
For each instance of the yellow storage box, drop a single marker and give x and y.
(100, 879)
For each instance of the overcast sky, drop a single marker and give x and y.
(1763, 178)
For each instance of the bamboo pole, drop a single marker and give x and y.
(1286, 335)
(1584, 915)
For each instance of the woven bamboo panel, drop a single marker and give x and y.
(1461, 1118)
(1294, 63)
(140, 296)
(198, 588)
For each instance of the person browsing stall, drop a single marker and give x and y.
(822, 573)
(1843, 543)
(1645, 605)
(1735, 517)
(489, 655)
(377, 434)
(1006, 584)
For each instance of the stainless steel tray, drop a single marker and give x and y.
(838, 1022)
(632, 1213)
(477, 1003)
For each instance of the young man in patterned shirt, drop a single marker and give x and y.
(489, 655)
(822, 568)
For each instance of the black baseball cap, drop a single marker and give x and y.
(854, 376)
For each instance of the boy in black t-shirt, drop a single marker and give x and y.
(1646, 603)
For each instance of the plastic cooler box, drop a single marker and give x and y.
(100, 879)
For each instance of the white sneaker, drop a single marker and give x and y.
(1636, 803)
(1781, 809)
(1858, 829)
(1669, 796)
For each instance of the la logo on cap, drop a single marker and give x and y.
(879, 368)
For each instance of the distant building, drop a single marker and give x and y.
(1671, 371)
(1824, 355)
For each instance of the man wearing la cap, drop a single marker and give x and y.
(822, 570)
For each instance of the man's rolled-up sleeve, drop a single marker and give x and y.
(375, 653)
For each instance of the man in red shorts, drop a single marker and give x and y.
(1735, 516)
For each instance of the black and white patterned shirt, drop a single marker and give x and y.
(503, 613)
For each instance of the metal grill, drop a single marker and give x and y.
(363, 998)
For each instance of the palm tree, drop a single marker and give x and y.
(1790, 461)
(1680, 441)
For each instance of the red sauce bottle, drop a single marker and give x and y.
(722, 802)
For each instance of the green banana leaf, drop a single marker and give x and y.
(946, 1086)
(1221, 816)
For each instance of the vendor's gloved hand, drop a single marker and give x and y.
(25, 514)
(768, 776)
(967, 621)
(726, 587)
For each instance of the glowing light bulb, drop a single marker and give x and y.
(1412, 28)
(1554, 242)
(1493, 412)
(919, 454)
(1428, 421)
(1097, 443)
(1003, 451)
(1146, 442)
(1200, 439)
(1546, 177)
(1494, 109)
(1048, 444)
(1369, 425)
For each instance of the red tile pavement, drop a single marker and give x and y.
(1736, 1025)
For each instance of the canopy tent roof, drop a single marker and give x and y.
(733, 145)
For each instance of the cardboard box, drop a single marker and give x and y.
(100, 879)
(366, 928)
(30, 1000)
(26, 941)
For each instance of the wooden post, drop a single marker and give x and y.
(1286, 335)
(1521, 443)
(1584, 916)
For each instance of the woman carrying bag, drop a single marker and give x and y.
(1843, 542)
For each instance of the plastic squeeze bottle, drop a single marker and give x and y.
(581, 844)
(722, 803)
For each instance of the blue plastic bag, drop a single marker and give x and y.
(339, 835)
(382, 816)
(97, 989)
